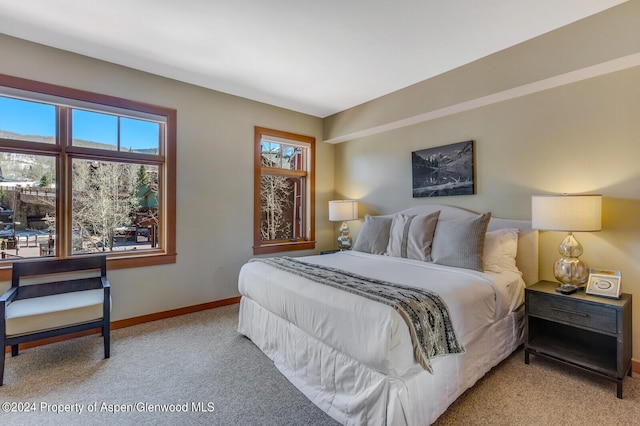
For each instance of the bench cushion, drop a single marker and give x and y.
(49, 312)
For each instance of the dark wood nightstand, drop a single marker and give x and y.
(587, 332)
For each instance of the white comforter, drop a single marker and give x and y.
(372, 333)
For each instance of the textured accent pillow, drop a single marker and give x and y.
(411, 236)
(374, 235)
(460, 242)
(500, 249)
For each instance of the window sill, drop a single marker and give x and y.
(113, 262)
(280, 247)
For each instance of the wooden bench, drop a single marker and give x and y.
(53, 297)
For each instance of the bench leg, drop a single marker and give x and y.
(107, 341)
(14, 350)
(2, 356)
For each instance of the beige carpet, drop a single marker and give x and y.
(199, 364)
(544, 393)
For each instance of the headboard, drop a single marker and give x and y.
(527, 257)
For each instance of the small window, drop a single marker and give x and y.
(94, 130)
(284, 191)
(27, 121)
(139, 136)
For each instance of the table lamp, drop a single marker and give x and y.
(343, 210)
(569, 213)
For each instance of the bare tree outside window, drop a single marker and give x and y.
(275, 202)
(104, 198)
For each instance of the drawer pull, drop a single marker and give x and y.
(567, 311)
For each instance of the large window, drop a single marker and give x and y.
(283, 191)
(84, 173)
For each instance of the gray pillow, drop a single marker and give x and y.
(460, 242)
(374, 235)
(411, 236)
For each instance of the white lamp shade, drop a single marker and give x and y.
(341, 210)
(569, 213)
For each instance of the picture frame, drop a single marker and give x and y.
(444, 170)
(605, 283)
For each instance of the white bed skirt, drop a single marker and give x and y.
(354, 394)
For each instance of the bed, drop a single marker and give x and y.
(356, 358)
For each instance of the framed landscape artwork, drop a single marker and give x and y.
(443, 170)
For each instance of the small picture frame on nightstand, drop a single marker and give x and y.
(604, 283)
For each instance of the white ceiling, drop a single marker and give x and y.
(316, 57)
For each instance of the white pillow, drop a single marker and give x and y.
(411, 236)
(500, 249)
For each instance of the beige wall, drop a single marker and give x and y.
(579, 137)
(214, 175)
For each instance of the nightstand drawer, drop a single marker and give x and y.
(571, 311)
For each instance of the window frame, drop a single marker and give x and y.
(64, 152)
(307, 243)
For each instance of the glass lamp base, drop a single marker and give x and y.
(344, 243)
(571, 270)
(344, 240)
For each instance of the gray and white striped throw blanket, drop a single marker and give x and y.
(424, 312)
